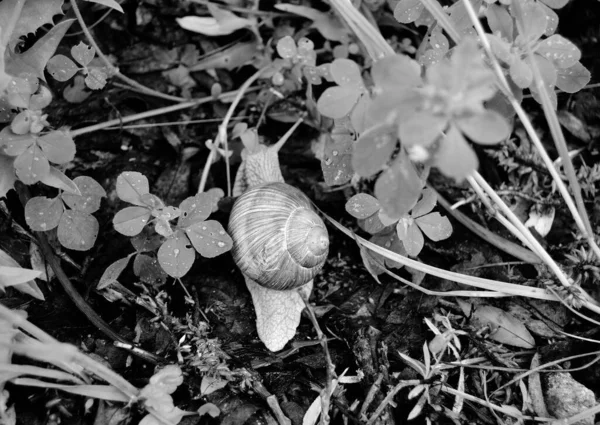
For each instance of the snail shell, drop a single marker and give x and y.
(278, 239)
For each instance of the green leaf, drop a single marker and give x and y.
(408, 11)
(488, 127)
(131, 185)
(57, 179)
(90, 198)
(61, 68)
(345, 72)
(11, 273)
(336, 162)
(34, 60)
(195, 209)
(551, 19)
(112, 272)
(555, 4)
(286, 47)
(43, 214)
(108, 3)
(58, 146)
(32, 166)
(146, 241)
(560, 51)
(398, 188)
(35, 14)
(358, 116)
(7, 174)
(500, 21)
(373, 149)
(19, 90)
(176, 255)
(435, 226)
(505, 328)
(96, 79)
(455, 158)
(209, 238)
(362, 205)
(131, 220)
(573, 79)
(371, 224)
(534, 22)
(425, 204)
(422, 129)
(223, 22)
(326, 23)
(148, 269)
(337, 102)
(411, 237)
(77, 230)
(396, 71)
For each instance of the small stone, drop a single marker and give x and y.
(565, 397)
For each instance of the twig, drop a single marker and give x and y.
(114, 69)
(389, 397)
(326, 394)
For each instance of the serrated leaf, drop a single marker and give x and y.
(422, 129)
(7, 174)
(32, 166)
(362, 206)
(373, 149)
(43, 214)
(77, 230)
(34, 60)
(345, 72)
(59, 180)
(488, 127)
(455, 158)
(560, 51)
(398, 188)
(148, 269)
(58, 146)
(411, 237)
(435, 226)
(112, 272)
(176, 255)
(209, 238)
(195, 209)
(573, 79)
(90, 198)
(131, 220)
(108, 3)
(505, 328)
(337, 102)
(35, 14)
(408, 11)
(61, 68)
(425, 204)
(336, 162)
(131, 185)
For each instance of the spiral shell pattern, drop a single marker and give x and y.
(278, 239)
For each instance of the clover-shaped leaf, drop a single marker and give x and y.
(362, 205)
(77, 230)
(176, 255)
(337, 156)
(61, 68)
(149, 270)
(43, 214)
(209, 238)
(573, 79)
(286, 47)
(131, 185)
(90, 198)
(559, 51)
(131, 220)
(373, 149)
(337, 102)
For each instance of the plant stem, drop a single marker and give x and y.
(114, 69)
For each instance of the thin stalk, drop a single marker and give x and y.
(526, 122)
(114, 69)
(442, 19)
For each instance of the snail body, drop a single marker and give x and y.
(278, 239)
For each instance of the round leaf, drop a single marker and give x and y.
(486, 128)
(399, 187)
(195, 209)
(209, 238)
(362, 206)
(32, 166)
(559, 51)
(286, 47)
(131, 185)
(408, 11)
(425, 204)
(521, 73)
(455, 158)
(14, 144)
(411, 238)
(423, 128)
(435, 226)
(95, 79)
(77, 230)
(58, 146)
(61, 68)
(176, 255)
(148, 269)
(42, 214)
(131, 220)
(573, 79)
(91, 195)
(345, 72)
(337, 102)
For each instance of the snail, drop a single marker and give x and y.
(279, 241)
